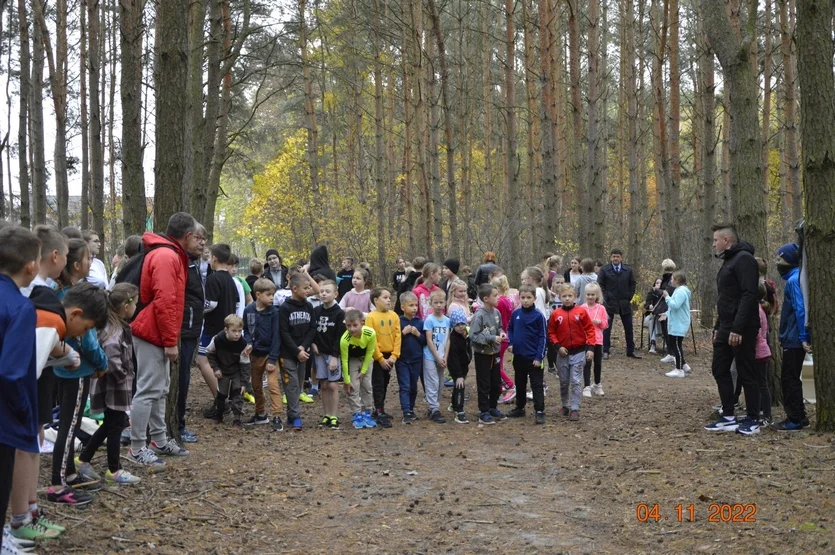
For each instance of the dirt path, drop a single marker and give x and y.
(428, 488)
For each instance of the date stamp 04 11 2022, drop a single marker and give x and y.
(716, 512)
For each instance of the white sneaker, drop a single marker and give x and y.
(587, 391)
(686, 368)
(675, 374)
(668, 358)
(597, 390)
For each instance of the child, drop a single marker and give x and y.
(20, 253)
(458, 299)
(344, 277)
(330, 326)
(410, 366)
(360, 296)
(678, 322)
(399, 276)
(534, 277)
(505, 308)
(256, 271)
(385, 324)
(762, 356)
(356, 349)
(297, 331)
(263, 344)
(654, 297)
(436, 326)
(527, 338)
(244, 291)
(111, 392)
(600, 321)
(228, 355)
(588, 276)
(486, 335)
(450, 274)
(431, 276)
(572, 334)
(460, 355)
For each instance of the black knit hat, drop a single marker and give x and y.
(452, 264)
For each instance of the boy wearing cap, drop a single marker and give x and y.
(794, 338)
(450, 273)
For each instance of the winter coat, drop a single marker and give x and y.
(319, 263)
(737, 286)
(194, 302)
(115, 389)
(678, 313)
(793, 331)
(618, 288)
(280, 282)
(162, 291)
(460, 355)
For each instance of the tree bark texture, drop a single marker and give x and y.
(36, 127)
(133, 176)
(514, 208)
(23, 117)
(790, 132)
(96, 151)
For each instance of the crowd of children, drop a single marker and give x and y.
(288, 327)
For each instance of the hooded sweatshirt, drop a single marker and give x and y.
(296, 327)
(737, 285)
(319, 263)
(678, 313)
(793, 332)
(485, 327)
(330, 326)
(460, 355)
(261, 331)
(527, 333)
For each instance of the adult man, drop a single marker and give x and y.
(276, 271)
(191, 327)
(735, 332)
(156, 331)
(618, 283)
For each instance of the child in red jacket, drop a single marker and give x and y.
(572, 334)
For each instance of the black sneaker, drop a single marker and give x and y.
(407, 419)
(383, 420)
(210, 412)
(278, 426)
(84, 482)
(258, 419)
(540, 417)
(236, 423)
(68, 496)
(461, 418)
(437, 417)
(497, 415)
(516, 412)
(413, 415)
(787, 426)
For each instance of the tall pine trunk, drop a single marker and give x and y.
(36, 127)
(635, 225)
(23, 116)
(790, 138)
(674, 174)
(514, 204)
(707, 88)
(96, 152)
(549, 163)
(576, 199)
(133, 177)
(593, 228)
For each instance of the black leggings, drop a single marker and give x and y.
(380, 379)
(7, 453)
(762, 383)
(675, 348)
(114, 422)
(598, 366)
(552, 355)
(72, 393)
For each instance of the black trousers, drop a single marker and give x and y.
(380, 379)
(765, 392)
(598, 366)
(114, 422)
(723, 356)
(72, 394)
(488, 380)
(792, 386)
(525, 369)
(187, 349)
(626, 319)
(6, 473)
(552, 355)
(675, 347)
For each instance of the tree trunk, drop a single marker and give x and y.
(409, 168)
(790, 138)
(310, 111)
(707, 88)
(194, 155)
(172, 73)
(133, 177)
(434, 155)
(635, 225)
(533, 191)
(549, 165)
(36, 127)
(663, 174)
(111, 243)
(674, 176)
(23, 116)
(379, 147)
(817, 113)
(725, 199)
(766, 126)
(490, 190)
(577, 121)
(514, 211)
(593, 237)
(96, 153)
(733, 52)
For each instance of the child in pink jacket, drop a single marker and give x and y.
(600, 319)
(762, 356)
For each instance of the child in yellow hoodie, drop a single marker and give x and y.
(386, 323)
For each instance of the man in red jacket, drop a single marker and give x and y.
(156, 331)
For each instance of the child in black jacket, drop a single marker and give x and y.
(460, 355)
(297, 330)
(229, 358)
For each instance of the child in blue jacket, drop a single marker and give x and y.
(410, 364)
(527, 333)
(678, 322)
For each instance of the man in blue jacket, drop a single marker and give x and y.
(794, 338)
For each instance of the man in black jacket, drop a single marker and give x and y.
(735, 332)
(618, 284)
(191, 328)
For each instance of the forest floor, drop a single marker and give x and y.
(569, 487)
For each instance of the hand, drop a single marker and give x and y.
(713, 339)
(597, 321)
(247, 351)
(415, 332)
(315, 349)
(391, 361)
(502, 337)
(407, 330)
(271, 368)
(563, 352)
(218, 374)
(537, 363)
(459, 383)
(510, 349)
(385, 364)
(807, 347)
(333, 364)
(665, 294)
(589, 355)
(734, 339)
(662, 317)
(349, 388)
(442, 363)
(171, 353)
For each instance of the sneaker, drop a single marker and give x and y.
(334, 424)
(485, 418)
(574, 416)
(497, 415)
(766, 422)
(257, 419)
(68, 496)
(147, 458)
(43, 521)
(564, 411)
(652, 350)
(509, 395)
(461, 418)
(314, 391)
(249, 398)
(516, 413)
(326, 422)
(748, 427)
(305, 398)
(122, 477)
(32, 531)
(86, 471)
(210, 412)
(413, 416)
(587, 391)
(675, 374)
(171, 448)
(787, 426)
(437, 417)
(686, 368)
(85, 483)
(384, 420)
(540, 417)
(552, 370)
(236, 423)
(187, 436)
(369, 422)
(358, 420)
(668, 358)
(450, 408)
(597, 390)
(605, 356)
(406, 418)
(21, 544)
(297, 424)
(723, 425)
(449, 383)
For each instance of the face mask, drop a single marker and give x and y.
(784, 269)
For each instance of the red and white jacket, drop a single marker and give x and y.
(571, 328)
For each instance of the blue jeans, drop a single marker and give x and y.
(187, 349)
(408, 374)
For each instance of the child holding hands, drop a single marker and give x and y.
(437, 328)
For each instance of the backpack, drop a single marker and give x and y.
(132, 272)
